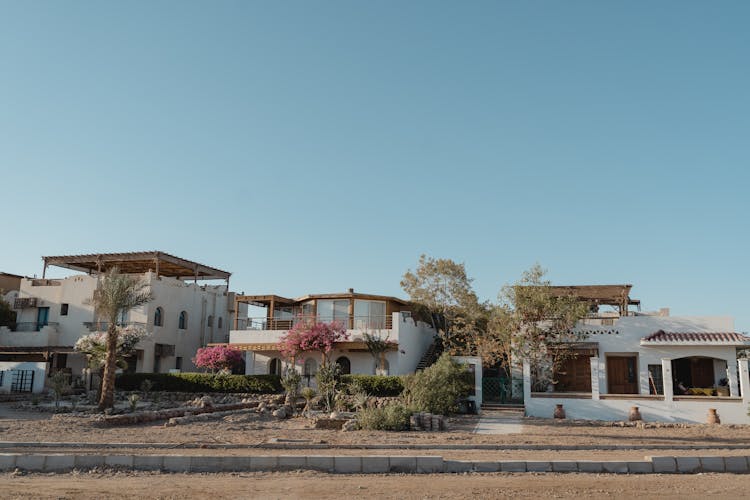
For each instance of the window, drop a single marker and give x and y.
(158, 317)
(220, 323)
(182, 325)
(63, 309)
(123, 319)
(178, 363)
(210, 321)
(308, 372)
(369, 314)
(274, 367)
(655, 379)
(334, 310)
(345, 366)
(22, 381)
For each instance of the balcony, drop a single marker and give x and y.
(30, 335)
(265, 331)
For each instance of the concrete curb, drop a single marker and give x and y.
(368, 464)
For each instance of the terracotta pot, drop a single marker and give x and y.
(713, 417)
(559, 411)
(635, 414)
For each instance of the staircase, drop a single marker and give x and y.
(509, 408)
(429, 357)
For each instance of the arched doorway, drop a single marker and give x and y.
(345, 366)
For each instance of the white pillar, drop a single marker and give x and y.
(595, 378)
(526, 381)
(732, 376)
(744, 380)
(666, 375)
(249, 362)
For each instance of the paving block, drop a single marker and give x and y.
(536, 466)
(59, 463)
(688, 465)
(148, 462)
(404, 464)
(7, 461)
(458, 466)
(119, 461)
(486, 466)
(713, 464)
(292, 462)
(176, 463)
(236, 463)
(347, 465)
(615, 467)
(664, 464)
(640, 467)
(206, 463)
(507, 466)
(564, 466)
(89, 461)
(30, 462)
(320, 462)
(265, 463)
(375, 464)
(737, 465)
(590, 466)
(429, 465)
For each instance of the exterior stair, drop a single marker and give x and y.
(429, 357)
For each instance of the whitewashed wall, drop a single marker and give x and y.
(39, 368)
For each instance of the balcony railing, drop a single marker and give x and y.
(101, 326)
(349, 322)
(32, 326)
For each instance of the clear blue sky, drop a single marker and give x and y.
(316, 146)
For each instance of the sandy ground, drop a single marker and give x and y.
(318, 485)
(249, 428)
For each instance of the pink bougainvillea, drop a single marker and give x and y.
(311, 336)
(217, 358)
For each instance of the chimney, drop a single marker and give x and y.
(351, 290)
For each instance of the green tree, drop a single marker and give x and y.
(116, 294)
(7, 314)
(535, 323)
(443, 290)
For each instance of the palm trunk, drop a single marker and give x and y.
(107, 397)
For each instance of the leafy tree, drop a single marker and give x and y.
(94, 345)
(217, 358)
(306, 336)
(438, 388)
(378, 347)
(7, 314)
(442, 288)
(534, 323)
(116, 294)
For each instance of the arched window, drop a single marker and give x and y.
(274, 367)
(345, 366)
(159, 317)
(382, 368)
(210, 321)
(308, 372)
(221, 323)
(183, 321)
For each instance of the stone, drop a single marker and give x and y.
(688, 465)
(347, 465)
(350, 425)
(280, 413)
(374, 464)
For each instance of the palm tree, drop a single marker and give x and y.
(116, 294)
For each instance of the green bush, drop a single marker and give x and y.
(393, 417)
(374, 385)
(438, 388)
(200, 382)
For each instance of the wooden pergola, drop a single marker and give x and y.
(162, 263)
(611, 295)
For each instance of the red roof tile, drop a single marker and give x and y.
(696, 337)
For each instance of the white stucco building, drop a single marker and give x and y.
(52, 314)
(674, 368)
(386, 317)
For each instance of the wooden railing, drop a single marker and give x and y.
(348, 322)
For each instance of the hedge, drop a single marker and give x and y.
(376, 385)
(200, 382)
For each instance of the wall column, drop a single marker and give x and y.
(249, 362)
(744, 380)
(666, 375)
(732, 377)
(526, 381)
(594, 378)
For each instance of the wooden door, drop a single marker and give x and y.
(574, 375)
(622, 375)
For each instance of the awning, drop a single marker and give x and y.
(661, 338)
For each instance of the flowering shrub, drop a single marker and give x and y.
(95, 345)
(217, 358)
(311, 336)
